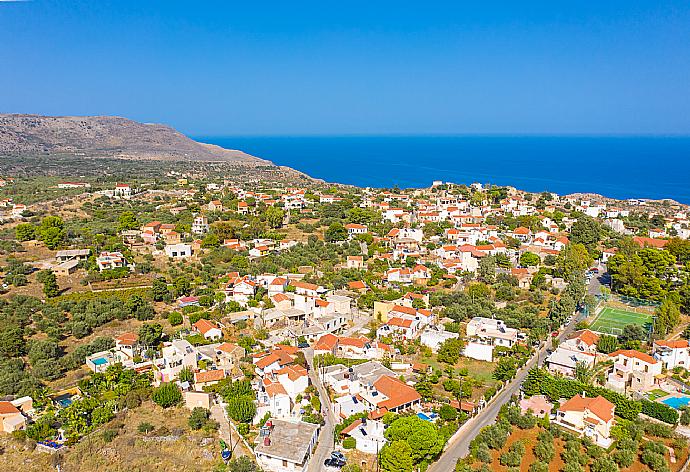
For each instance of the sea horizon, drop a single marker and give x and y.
(615, 166)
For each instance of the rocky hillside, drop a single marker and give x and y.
(106, 136)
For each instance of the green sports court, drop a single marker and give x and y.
(612, 320)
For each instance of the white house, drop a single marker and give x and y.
(672, 353)
(200, 225)
(208, 329)
(178, 251)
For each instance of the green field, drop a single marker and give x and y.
(612, 320)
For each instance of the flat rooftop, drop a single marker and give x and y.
(289, 441)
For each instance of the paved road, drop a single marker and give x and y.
(460, 447)
(603, 278)
(325, 445)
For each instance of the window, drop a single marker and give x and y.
(284, 463)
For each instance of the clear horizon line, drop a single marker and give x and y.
(440, 135)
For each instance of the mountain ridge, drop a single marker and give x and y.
(107, 137)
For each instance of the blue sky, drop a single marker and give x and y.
(272, 68)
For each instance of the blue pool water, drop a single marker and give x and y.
(64, 402)
(677, 402)
(99, 361)
(425, 417)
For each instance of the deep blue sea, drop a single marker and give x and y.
(617, 167)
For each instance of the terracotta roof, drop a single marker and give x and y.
(209, 376)
(275, 388)
(377, 413)
(293, 372)
(636, 354)
(357, 342)
(280, 297)
(305, 285)
(404, 309)
(588, 337)
(228, 347)
(282, 349)
(400, 322)
(204, 326)
(521, 230)
(398, 393)
(599, 406)
(348, 429)
(127, 339)
(7, 408)
(677, 344)
(267, 360)
(357, 285)
(651, 242)
(326, 342)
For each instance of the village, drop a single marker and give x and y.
(338, 328)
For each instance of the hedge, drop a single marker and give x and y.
(660, 411)
(540, 382)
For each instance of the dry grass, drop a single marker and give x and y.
(129, 451)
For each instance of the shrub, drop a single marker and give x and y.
(145, 427)
(175, 318)
(167, 395)
(539, 467)
(513, 457)
(109, 435)
(660, 411)
(243, 429)
(198, 418)
(447, 413)
(654, 461)
(242, 409)
(654, 446)
(349, 443)
(604, 464)
(544, 451)
(624, 457)
(483, 453)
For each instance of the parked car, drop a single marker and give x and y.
(332, 462)
(338, 455)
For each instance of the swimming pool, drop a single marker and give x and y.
(677, 402)
(64, 402)
(99, 361)
(430, 417)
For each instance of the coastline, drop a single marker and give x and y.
(618, 168)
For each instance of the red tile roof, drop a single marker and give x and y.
(636, 354)
(204, 326)
(677, 344)
(127, 339)
(599, 406)
(7, 408)
(398, 393)
(209, 376)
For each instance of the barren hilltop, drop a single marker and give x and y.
(107, 137)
